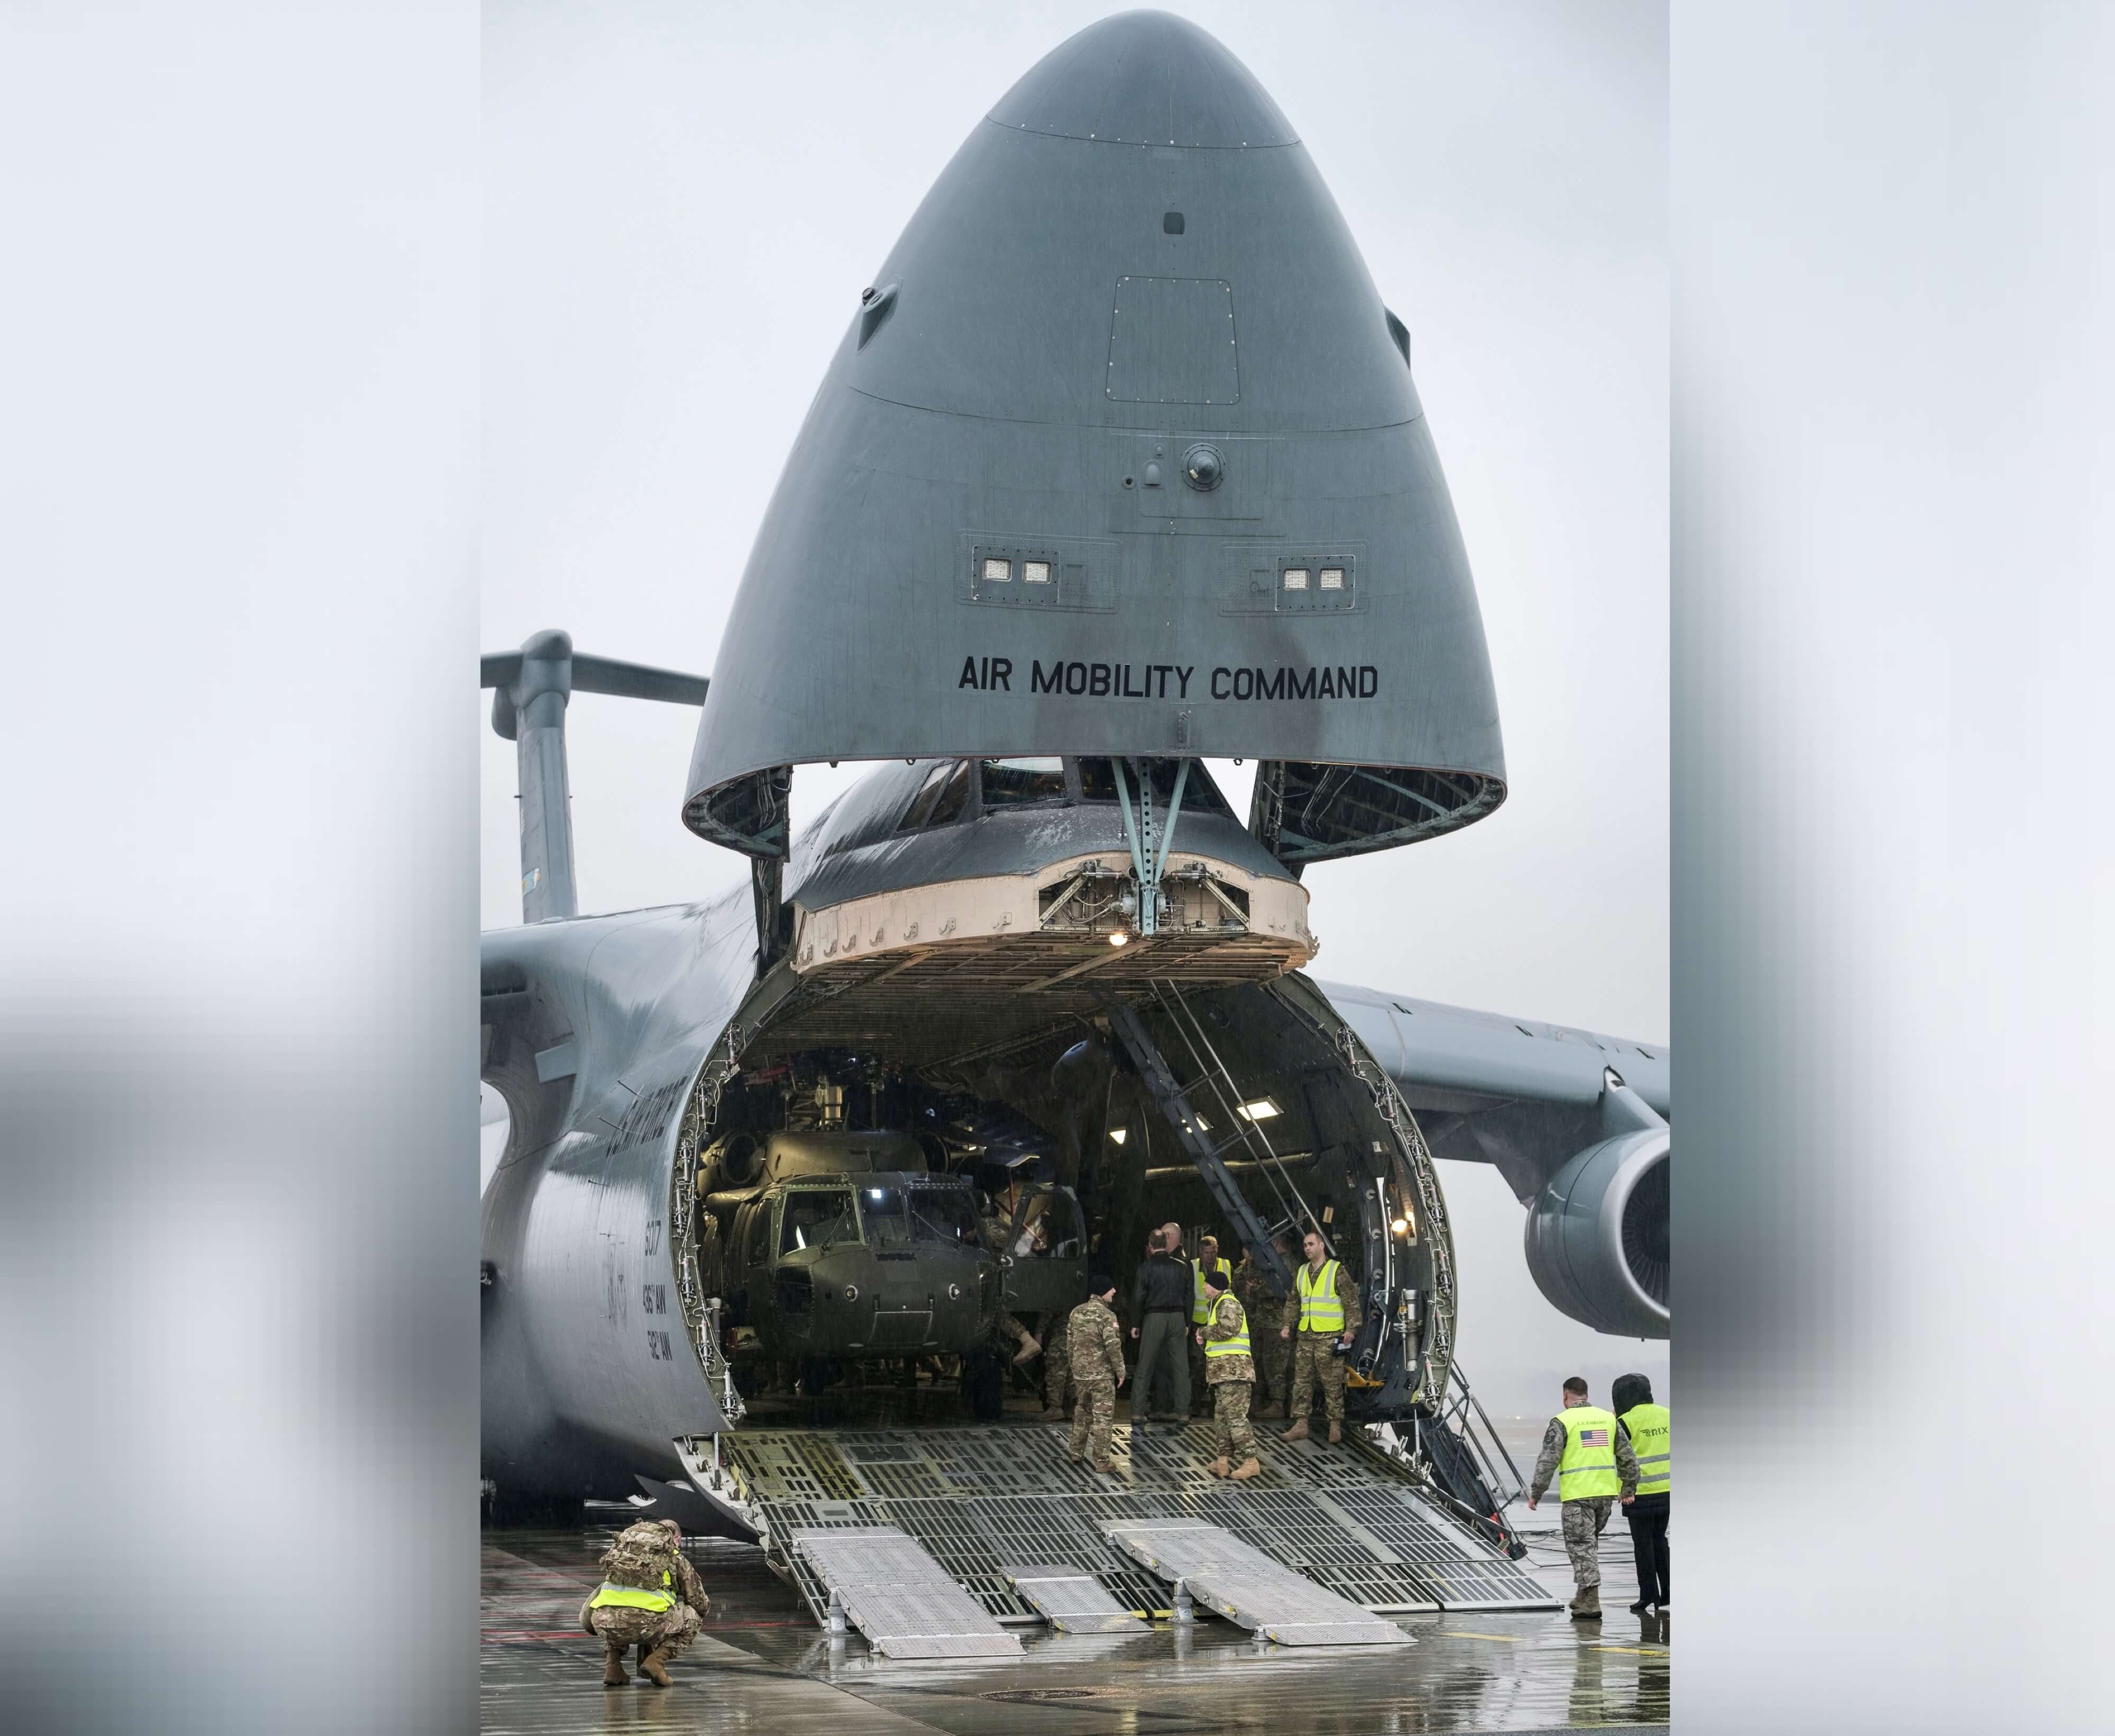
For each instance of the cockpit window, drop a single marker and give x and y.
(1098, 783)
(1010, 783)
(942, 797)
(881, 1217)
(943, 1214)
(815, 1217)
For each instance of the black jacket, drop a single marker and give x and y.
(1163, 1283)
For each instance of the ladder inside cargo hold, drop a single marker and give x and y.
(1191, 1109)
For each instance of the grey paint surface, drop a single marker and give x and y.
(1044, 355)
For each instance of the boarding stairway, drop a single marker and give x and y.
(1452, 1447)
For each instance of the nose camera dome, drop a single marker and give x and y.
(1203, 468)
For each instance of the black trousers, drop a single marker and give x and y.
(1648, 1519)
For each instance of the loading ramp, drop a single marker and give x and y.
(978, 1499)
(1246, 1587)
(895, 1594)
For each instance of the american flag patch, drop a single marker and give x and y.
(1593, 1437)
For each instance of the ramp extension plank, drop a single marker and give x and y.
(1071, 1599)
(896, 1596)
(1246, 1587)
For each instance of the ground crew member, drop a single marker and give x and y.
(1266, 1310)
(1646, 1426)
(1230, 1373)
(1594, 1466)
(650, 1596)
(1160, 1322)
(1097, 1371)
(1200, 1314)
(1328, 1319)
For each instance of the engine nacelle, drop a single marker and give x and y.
(1598, 1236)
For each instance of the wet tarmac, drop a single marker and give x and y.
(763, 1666)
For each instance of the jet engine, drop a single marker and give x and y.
(1598, 1236)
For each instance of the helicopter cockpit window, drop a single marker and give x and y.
(816, 1216)
(942, 797)
(881, 1216)
(943, 1214)
(1012, 783)
(1049, 1226)
(1098, 783)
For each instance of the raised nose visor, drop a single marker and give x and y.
(1121, 454)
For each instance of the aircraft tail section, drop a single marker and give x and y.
(530, 688)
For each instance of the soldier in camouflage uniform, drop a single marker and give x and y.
(1266, 1313)
(1321, 1317)
(1097, 1371)
(1230, 1373)
(1590, 1455)
(1007, 1333)
(650, 1597)
(1056, 1366)
(1207, 1258)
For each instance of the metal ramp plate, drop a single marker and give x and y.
(1071, 1599)
(1247, 1588)
(975, 1498)
(897, 1596)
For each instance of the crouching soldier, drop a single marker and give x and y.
(1230, 1375)
(650, 1596)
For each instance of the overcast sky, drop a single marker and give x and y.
(682, 204)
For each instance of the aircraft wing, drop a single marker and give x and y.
(1521, 1093)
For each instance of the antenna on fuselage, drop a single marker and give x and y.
(530, 688)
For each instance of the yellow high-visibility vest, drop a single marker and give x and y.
(1237, 1345)
(632, 1597)
(1200, 1303)
(1321, 1309)
(1652, 1439)
(1588, 1467)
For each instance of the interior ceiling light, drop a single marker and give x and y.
(1261, 1109)
(1119, 1134)
(1400, 1225)
(1118, 940)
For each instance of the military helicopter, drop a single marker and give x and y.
(833, 1245)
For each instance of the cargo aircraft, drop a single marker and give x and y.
(1119, 466)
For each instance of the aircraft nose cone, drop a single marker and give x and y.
(1145, 78)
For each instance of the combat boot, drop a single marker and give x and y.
(652, 1667)
(613, 1667)
(1336, 1432)
(1586, 1606)
(1054, 1414)
(1030, 1350)
(1298, 1431)
(1244, 1471)
(1217, 1467)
